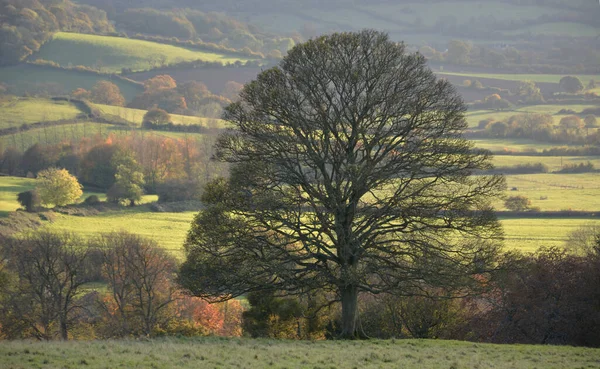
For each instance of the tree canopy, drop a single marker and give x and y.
(349, 174)
(58, 187)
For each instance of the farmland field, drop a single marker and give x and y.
(168, 229)
(212, 352)
(137, 115)
(11, 186)
(14, 111)
(554, 163)
(529, 234)
(111, 54)
(512, 144)
(35, 79)
(56, 134)
(473, 117)
(547, 78)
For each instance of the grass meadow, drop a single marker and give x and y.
(15, 111)
(547, 78)
(35, 79)
(473, 117)
(136, 116)
(287, 354)
(11, 186)
(111, 54)
(167, 229)
(56, 134)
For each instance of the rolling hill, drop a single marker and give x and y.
(112, 54)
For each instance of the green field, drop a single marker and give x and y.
(111, 54)
(30, 79)
(168, 229)
(11, 186)
(512, 144)
(554, 163)
(137, 115)
(473, 117)
(15, 111)
(555, 192)
(548, 78)
(288, 354)
(529, 234)
(56, 134)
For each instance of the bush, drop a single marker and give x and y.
(176, 190)
(528, 168)
(30, 200)
(517, 203)
(578, 168)
(92, 200)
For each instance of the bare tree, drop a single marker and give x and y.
(139, 276)
(349, 173)
(49, 273)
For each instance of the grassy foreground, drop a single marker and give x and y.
(258, 353)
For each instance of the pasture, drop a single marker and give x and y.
(60, 133)
(554, 163)
(15, 111)
(136, 116)
(211, 352)
(545, 78)
(529, 234)
(473, 117)
(167, 229)
(111, 54)
(11, 186)
(46, 81)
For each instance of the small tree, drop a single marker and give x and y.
(591, 85)
(105, 92)
(30, 200)
(571, 122)
(156, 116)
(58, 187)
(571, 84)
(517, 203)
(590, 122)
(129, 180)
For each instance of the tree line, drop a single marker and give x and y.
(25, 26)
(162, 162)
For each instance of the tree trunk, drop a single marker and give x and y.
(349, 312)
(64, 332)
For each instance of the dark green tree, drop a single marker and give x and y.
(571, 84)
(349, 174)
(30, 200)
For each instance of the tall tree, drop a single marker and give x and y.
(349, 174)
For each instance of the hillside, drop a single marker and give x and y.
(112, 54)
(47, 81)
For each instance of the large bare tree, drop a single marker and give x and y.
(349, 174)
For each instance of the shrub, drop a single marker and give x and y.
(571, 84)
(30, 200)
(578, 168)
(92, 200)
(517, 203)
